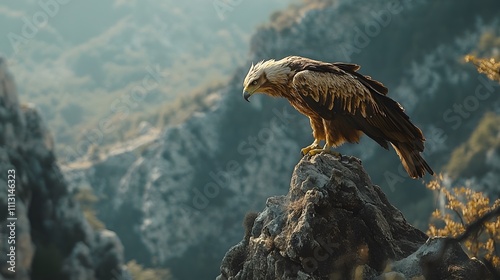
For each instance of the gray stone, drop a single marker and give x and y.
(53, 238)
(334, 223)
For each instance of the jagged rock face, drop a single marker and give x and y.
(334, 223)
(52, 238)
(439, 258)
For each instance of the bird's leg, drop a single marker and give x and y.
(327, 149)
(314, 146)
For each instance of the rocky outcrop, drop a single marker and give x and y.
(52, 238)
(334, 223)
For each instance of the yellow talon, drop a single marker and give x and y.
(316, 151)
(327, 149)
(308, 149)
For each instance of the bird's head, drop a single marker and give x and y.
(265, 77)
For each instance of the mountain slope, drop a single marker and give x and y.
(48, 236)
(83, 63)
(185, 193)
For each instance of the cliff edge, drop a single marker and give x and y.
(334, 223)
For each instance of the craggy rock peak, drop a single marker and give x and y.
(52, 238)
(335, 224)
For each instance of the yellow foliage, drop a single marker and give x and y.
(463, 207)
(488, 66)
(87, 200)
(139, 272)
(92, 219)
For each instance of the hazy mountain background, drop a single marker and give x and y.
(175, 188)
(80, 61)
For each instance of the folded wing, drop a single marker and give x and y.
(353, 98)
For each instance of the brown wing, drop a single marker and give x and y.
(342, 96)
(332, 93)
(365, 80)
(302, 63)
(339, 95)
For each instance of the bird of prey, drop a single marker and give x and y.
(341, 104)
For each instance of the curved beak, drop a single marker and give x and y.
(246, 95)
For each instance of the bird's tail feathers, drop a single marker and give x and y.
(412, 161)
(402, 129)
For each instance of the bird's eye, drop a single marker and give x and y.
(254, 82)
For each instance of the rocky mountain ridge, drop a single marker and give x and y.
(49, 237)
